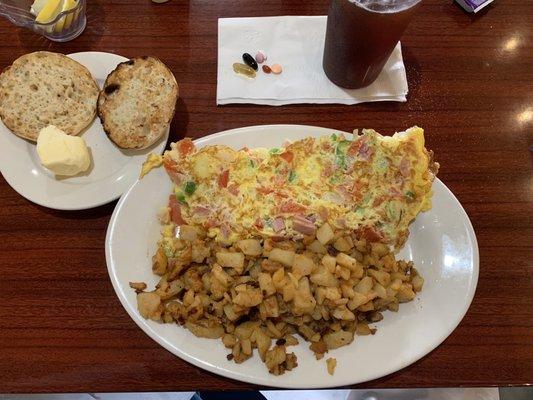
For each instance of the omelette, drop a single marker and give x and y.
(368, 184)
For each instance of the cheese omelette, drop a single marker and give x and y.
(370, 184)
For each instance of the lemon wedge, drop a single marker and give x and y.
(50, 10)
(67, 20)
(37, 6)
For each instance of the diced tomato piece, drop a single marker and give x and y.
(173, 171)
(259, 223)
(185, 146)
(175, 211)
(223, 179)
(287, 156)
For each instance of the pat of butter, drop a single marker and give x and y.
(61, 153)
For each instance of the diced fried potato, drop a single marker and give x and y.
(365, 285)
(363, 329)
(380, 291)
(263, 342)
(275, 356)
(159, 262)
(246, 347)
(417, 283)
(188, 232)
(325, 234)
(284, 257)
(343, 313)
(278, 279)
(382, 277)
(229, 340)
(329, 263)
(199, 252)
(303, 265)
(323, 277)
(205, 329)
(338, 339)
(319, 348)
(357, 300)
(249, 298)
(231, 260)
(265, 283)
(220, 275)
(380, 249)
(149, 305)
(317, 247)
(245, 329)
(405, 293)
(331, 364)
(230, 312)
(250, 247)
(290, 340)
(269, 308)
(303, 302)
(344, 244)
(140, 286)
(369, 306)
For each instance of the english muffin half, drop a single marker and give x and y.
(45, 88)
(137, 102)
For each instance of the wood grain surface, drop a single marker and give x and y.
(62, 329)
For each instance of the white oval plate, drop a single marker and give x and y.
(112, 172)
(442, 244)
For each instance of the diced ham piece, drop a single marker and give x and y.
(225, 230)
(223, 179)
(201, 211)
(303, 225)
(291, 207)
(175, 210)
(278, 224)
(364, 152)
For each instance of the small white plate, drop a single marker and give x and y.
(112, 171)
(442, 244)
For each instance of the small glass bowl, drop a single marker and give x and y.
(66, 26)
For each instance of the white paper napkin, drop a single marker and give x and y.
(296, 43)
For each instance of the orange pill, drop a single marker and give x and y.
(276, 69)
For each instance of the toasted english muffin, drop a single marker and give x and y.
(137, 102)
(44, 88)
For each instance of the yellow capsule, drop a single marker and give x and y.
(244, 69)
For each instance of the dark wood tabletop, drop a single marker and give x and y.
(62, 328)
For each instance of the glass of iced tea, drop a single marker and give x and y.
(360, 36)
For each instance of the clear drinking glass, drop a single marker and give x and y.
(360, 36)
(66, 26)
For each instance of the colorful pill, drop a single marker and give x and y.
(244, 69)
(276, 69)
(249, 60)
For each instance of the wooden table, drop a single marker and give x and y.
(62, 329)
